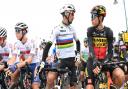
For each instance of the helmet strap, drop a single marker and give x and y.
(98, 22)
(23, 33)
(67, 18)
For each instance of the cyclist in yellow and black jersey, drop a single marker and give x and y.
(100, 42)
(120, 48)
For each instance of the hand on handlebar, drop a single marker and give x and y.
(39, 68)
(96, 70)
(78, 57)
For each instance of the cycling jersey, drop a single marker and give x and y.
(100, 42)
(122, 52)
(85, 53)
(116, 49)
(23, 51)
(5, 52)
(40, 52)
(64, 35)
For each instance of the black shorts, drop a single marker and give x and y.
(70, 63)
(83, 66)
(90, 74)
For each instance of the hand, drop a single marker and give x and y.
(38, 68)
(96, 70)
(78, 57)
(8, 72)
(126, 59)
(12, 68)
(42, 64)
(2, 67)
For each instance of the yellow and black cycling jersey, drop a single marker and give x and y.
(100, 42)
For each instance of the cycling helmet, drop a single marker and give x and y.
(3, 32)
(20, 27)
(67, 8)
(99, 10)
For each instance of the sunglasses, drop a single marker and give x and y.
(70, 13)
(93, 16)
(17, 30)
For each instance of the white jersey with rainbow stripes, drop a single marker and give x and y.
(64, 36)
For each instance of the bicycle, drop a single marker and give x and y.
(3, 77)
(102, 81)
(63, 76)
(24, 81)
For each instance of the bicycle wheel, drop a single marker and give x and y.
(27, 81)
(2, 81)
(43, 79)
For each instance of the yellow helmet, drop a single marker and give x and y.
(99, 10)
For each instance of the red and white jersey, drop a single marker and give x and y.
(5, 52)
(23, 51)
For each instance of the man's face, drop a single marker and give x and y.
(1, 40)
(18, 34)
(70, 15)
(85, 44)
(95, 19)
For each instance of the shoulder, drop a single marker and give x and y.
(17, 43)
(31, 42)
(56, 29)
(9, 45)
(90, 29)
(108, 29)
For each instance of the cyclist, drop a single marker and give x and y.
(41, 48)
(122, 53)
(64, 34)
(100, 42)
(84, 58)
(24, 52)
(115, 50)
(5, 48)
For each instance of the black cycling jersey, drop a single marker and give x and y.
(100, 42)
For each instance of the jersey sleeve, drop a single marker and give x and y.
(75, 35)
(33, 48)
(90, 42)
(110, 43)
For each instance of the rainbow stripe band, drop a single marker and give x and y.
(65, 46)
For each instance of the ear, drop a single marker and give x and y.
(24, 32)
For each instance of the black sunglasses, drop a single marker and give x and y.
(93, 16)
(17, 30)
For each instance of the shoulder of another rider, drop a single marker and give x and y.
(90, 29)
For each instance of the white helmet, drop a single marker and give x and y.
(21, 26)
(3, 32)
(67, 7)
